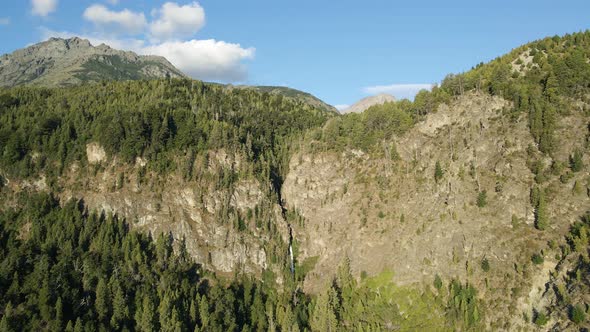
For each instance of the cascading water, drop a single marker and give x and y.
(277, 184)
(291, 251)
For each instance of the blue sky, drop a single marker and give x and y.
(339, 51)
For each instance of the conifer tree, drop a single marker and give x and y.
(103, 300)
(120, 309)
(541, 218)
(78, 327)
(58, 320)
(438, 172)
(147, 319)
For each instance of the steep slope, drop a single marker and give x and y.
(447, 213)
(483, 188)
(391, 213)
(63, 62)
(363, 104)
(178, 156)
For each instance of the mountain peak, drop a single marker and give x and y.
(70, 61)
(367, 102)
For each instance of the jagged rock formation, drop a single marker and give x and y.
(367, 102)
(64, 62)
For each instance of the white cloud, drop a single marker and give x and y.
(209, 60)
(341, 107)
(400, 91)
(175, 22)
(206, 59)
(4, 20)
(43, 7)
(123, 21)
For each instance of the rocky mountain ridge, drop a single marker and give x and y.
(60, 62)
(65, 62)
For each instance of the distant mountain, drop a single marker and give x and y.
(293, 94)
(64, 62)
(367, 102)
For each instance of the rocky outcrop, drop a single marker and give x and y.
(390, 213)
(62, 62)
(363, 104)
(203, 214)
(95, 153)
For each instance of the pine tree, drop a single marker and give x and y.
(103, 300)
(120, 309)
(6, 321)
(576, 163)
(204, 312)
(78, 327)
(147, 321)
(165, 311)
(175, 324)
(541, 218)
(318, 320)
(438, 172)
(193, 311)
(547, 139)
(258, 311)
(551, 89)
(323, 317)
(347, 286)
(58, 321)
(482, 199)
(44, 301)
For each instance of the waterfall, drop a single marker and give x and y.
(291, 256)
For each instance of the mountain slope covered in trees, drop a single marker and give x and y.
(180, 205)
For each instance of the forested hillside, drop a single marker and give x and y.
(156, 120)
(179, 205)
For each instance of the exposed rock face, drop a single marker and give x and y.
(391, 214)
(95, 153)
(200, 211)
(62, 62)
(363, 104)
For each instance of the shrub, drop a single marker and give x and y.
(537, 259)
(576, 163)
(577, 314)
(438, 282)
(485, 265)
(482, 199)
(541, 319)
